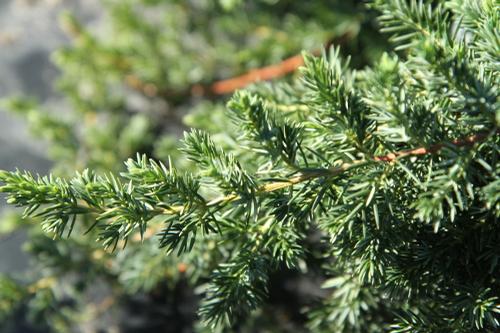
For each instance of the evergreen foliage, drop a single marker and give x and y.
(387, 176)
(127, 90)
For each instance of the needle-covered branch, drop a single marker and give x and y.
(152, 189)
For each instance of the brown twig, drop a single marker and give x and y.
(228, 86)
(430, 150)
(220, 87)
(271, 72)
(334, 171)
(283, 68)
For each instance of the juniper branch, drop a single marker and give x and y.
(23, 189)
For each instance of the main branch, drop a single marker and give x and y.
(308, 174)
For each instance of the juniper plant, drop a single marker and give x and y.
(395, 167)
(127, 89)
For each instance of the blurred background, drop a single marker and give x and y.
(29, 33)
(90, 83)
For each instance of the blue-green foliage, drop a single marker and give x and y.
(393, 168)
